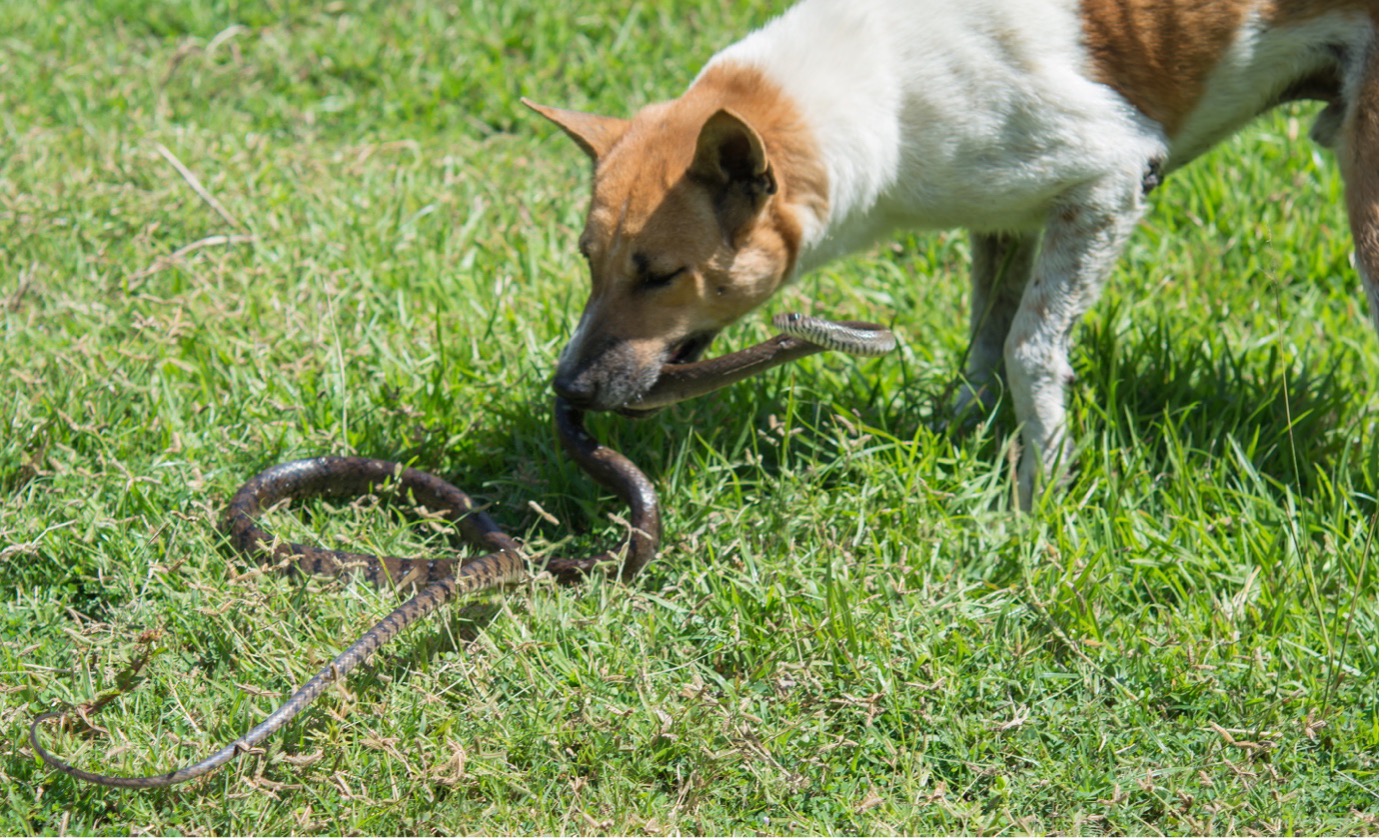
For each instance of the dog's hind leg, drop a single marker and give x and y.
(1000, 267)
(1086, 233)
(1357, 149)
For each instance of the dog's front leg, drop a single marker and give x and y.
(1086, 232)
(1000, 266)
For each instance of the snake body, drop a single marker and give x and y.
(444, 578)
(854, 337)
(799, 336)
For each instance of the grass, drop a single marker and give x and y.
(847, 631)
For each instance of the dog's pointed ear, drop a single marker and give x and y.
(595, 134)
(732, 162)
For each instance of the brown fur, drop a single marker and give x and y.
(1159, 54)
(648, 201)
(595, 134)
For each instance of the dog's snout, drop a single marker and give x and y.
(580, 391)
(606, 374)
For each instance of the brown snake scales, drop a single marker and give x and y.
(505, 561)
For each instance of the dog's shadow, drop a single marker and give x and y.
(1288, 422)
(1150, 390)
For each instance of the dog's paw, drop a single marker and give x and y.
(1044, 471)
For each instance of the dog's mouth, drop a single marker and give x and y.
(685, 352)
(690, 349)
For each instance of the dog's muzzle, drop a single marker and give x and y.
(616, 376)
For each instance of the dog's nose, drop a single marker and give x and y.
(577, 391)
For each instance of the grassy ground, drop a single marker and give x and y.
(847, 630)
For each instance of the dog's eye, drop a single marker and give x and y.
(658, 281)
(648, 278)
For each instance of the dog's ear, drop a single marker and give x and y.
(731, 161)
(595, 134)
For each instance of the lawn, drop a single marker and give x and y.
(848, 629)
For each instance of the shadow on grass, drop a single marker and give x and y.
(1176, 399)
(1182, 398)
(1195, 400)
(1179, 400)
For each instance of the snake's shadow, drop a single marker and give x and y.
(462, 624)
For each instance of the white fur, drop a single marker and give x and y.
(981, 114)
(940, 114)
(1258, 64)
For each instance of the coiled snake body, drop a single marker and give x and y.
(504, 561)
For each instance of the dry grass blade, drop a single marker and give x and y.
(172, 259)
(196, 184)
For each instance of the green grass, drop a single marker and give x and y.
(847, 630)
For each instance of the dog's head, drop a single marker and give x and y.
(682, 237)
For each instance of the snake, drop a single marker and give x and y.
(504, 561)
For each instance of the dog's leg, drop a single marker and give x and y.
(1357, 149)
(1086, 232)
(1000, 266)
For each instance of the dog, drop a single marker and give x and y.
(1038, 125)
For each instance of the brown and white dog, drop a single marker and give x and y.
(1039, 125)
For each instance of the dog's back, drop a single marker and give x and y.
(938, 114)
